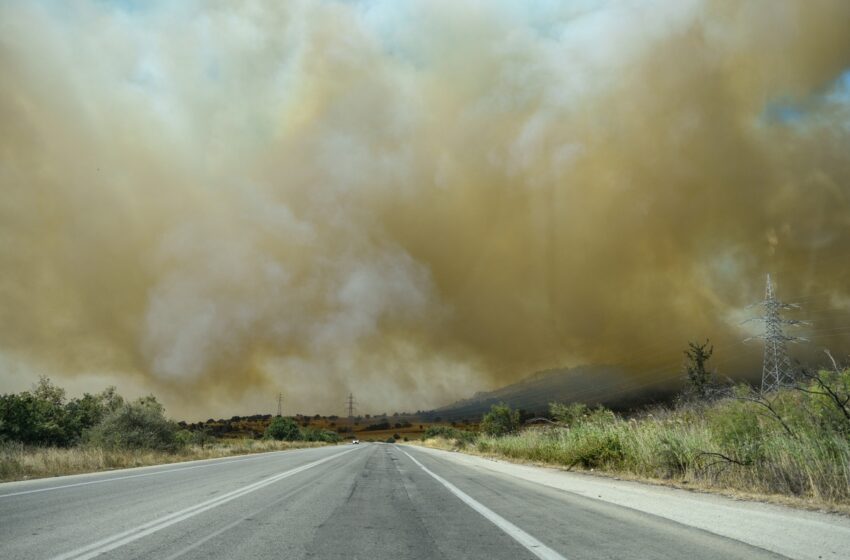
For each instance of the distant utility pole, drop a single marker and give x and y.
(776, 368)
(280, 404)
(350, 402)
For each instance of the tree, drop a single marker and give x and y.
(501, 420)
(83, 414)
(19, 418)
(46, 391)
(110, 399)
(37, 417)
(698, 380)
(281, 428)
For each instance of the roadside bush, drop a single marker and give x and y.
(317, 434)
(200, 437)
(568, 414)
(829, 395)
(600, 416)
(447, 432)
(736, 430)
(283, 429)
(501, 420)
(675, 458)
(140, 424)
(593, 448)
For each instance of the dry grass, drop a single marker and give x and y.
(19, 462)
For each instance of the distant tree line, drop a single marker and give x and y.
(385, 425)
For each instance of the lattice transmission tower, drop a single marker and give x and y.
(351, 404)
(776, 369)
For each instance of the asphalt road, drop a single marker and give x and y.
(353, 502)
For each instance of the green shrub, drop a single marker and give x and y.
(283, 429)
(447, 432)
(316, 434)
(736, 430)
(600, 416)
(140, 424)
(501, 420)
(674, 456)
(594, 448)
(200, 437)
(568, 414)
(829, 395)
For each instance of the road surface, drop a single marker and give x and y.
(383, 501)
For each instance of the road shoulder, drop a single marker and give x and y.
(779, 529)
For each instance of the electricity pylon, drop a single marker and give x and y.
(776, 369)
(350, 402)
(280, 404)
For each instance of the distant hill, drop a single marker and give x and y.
(611, 386)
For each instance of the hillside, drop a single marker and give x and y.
(599, 384)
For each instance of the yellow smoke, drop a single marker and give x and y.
(411, 201)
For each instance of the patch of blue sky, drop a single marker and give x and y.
(789, 111)
(841, 91)
(783, 112)
(131, 6)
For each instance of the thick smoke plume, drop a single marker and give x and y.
(411, 201)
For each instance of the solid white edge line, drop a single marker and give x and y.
(130, 535)
(529, 542)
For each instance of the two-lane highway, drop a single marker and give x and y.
(367, 501)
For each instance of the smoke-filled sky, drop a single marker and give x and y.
(215, 201)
